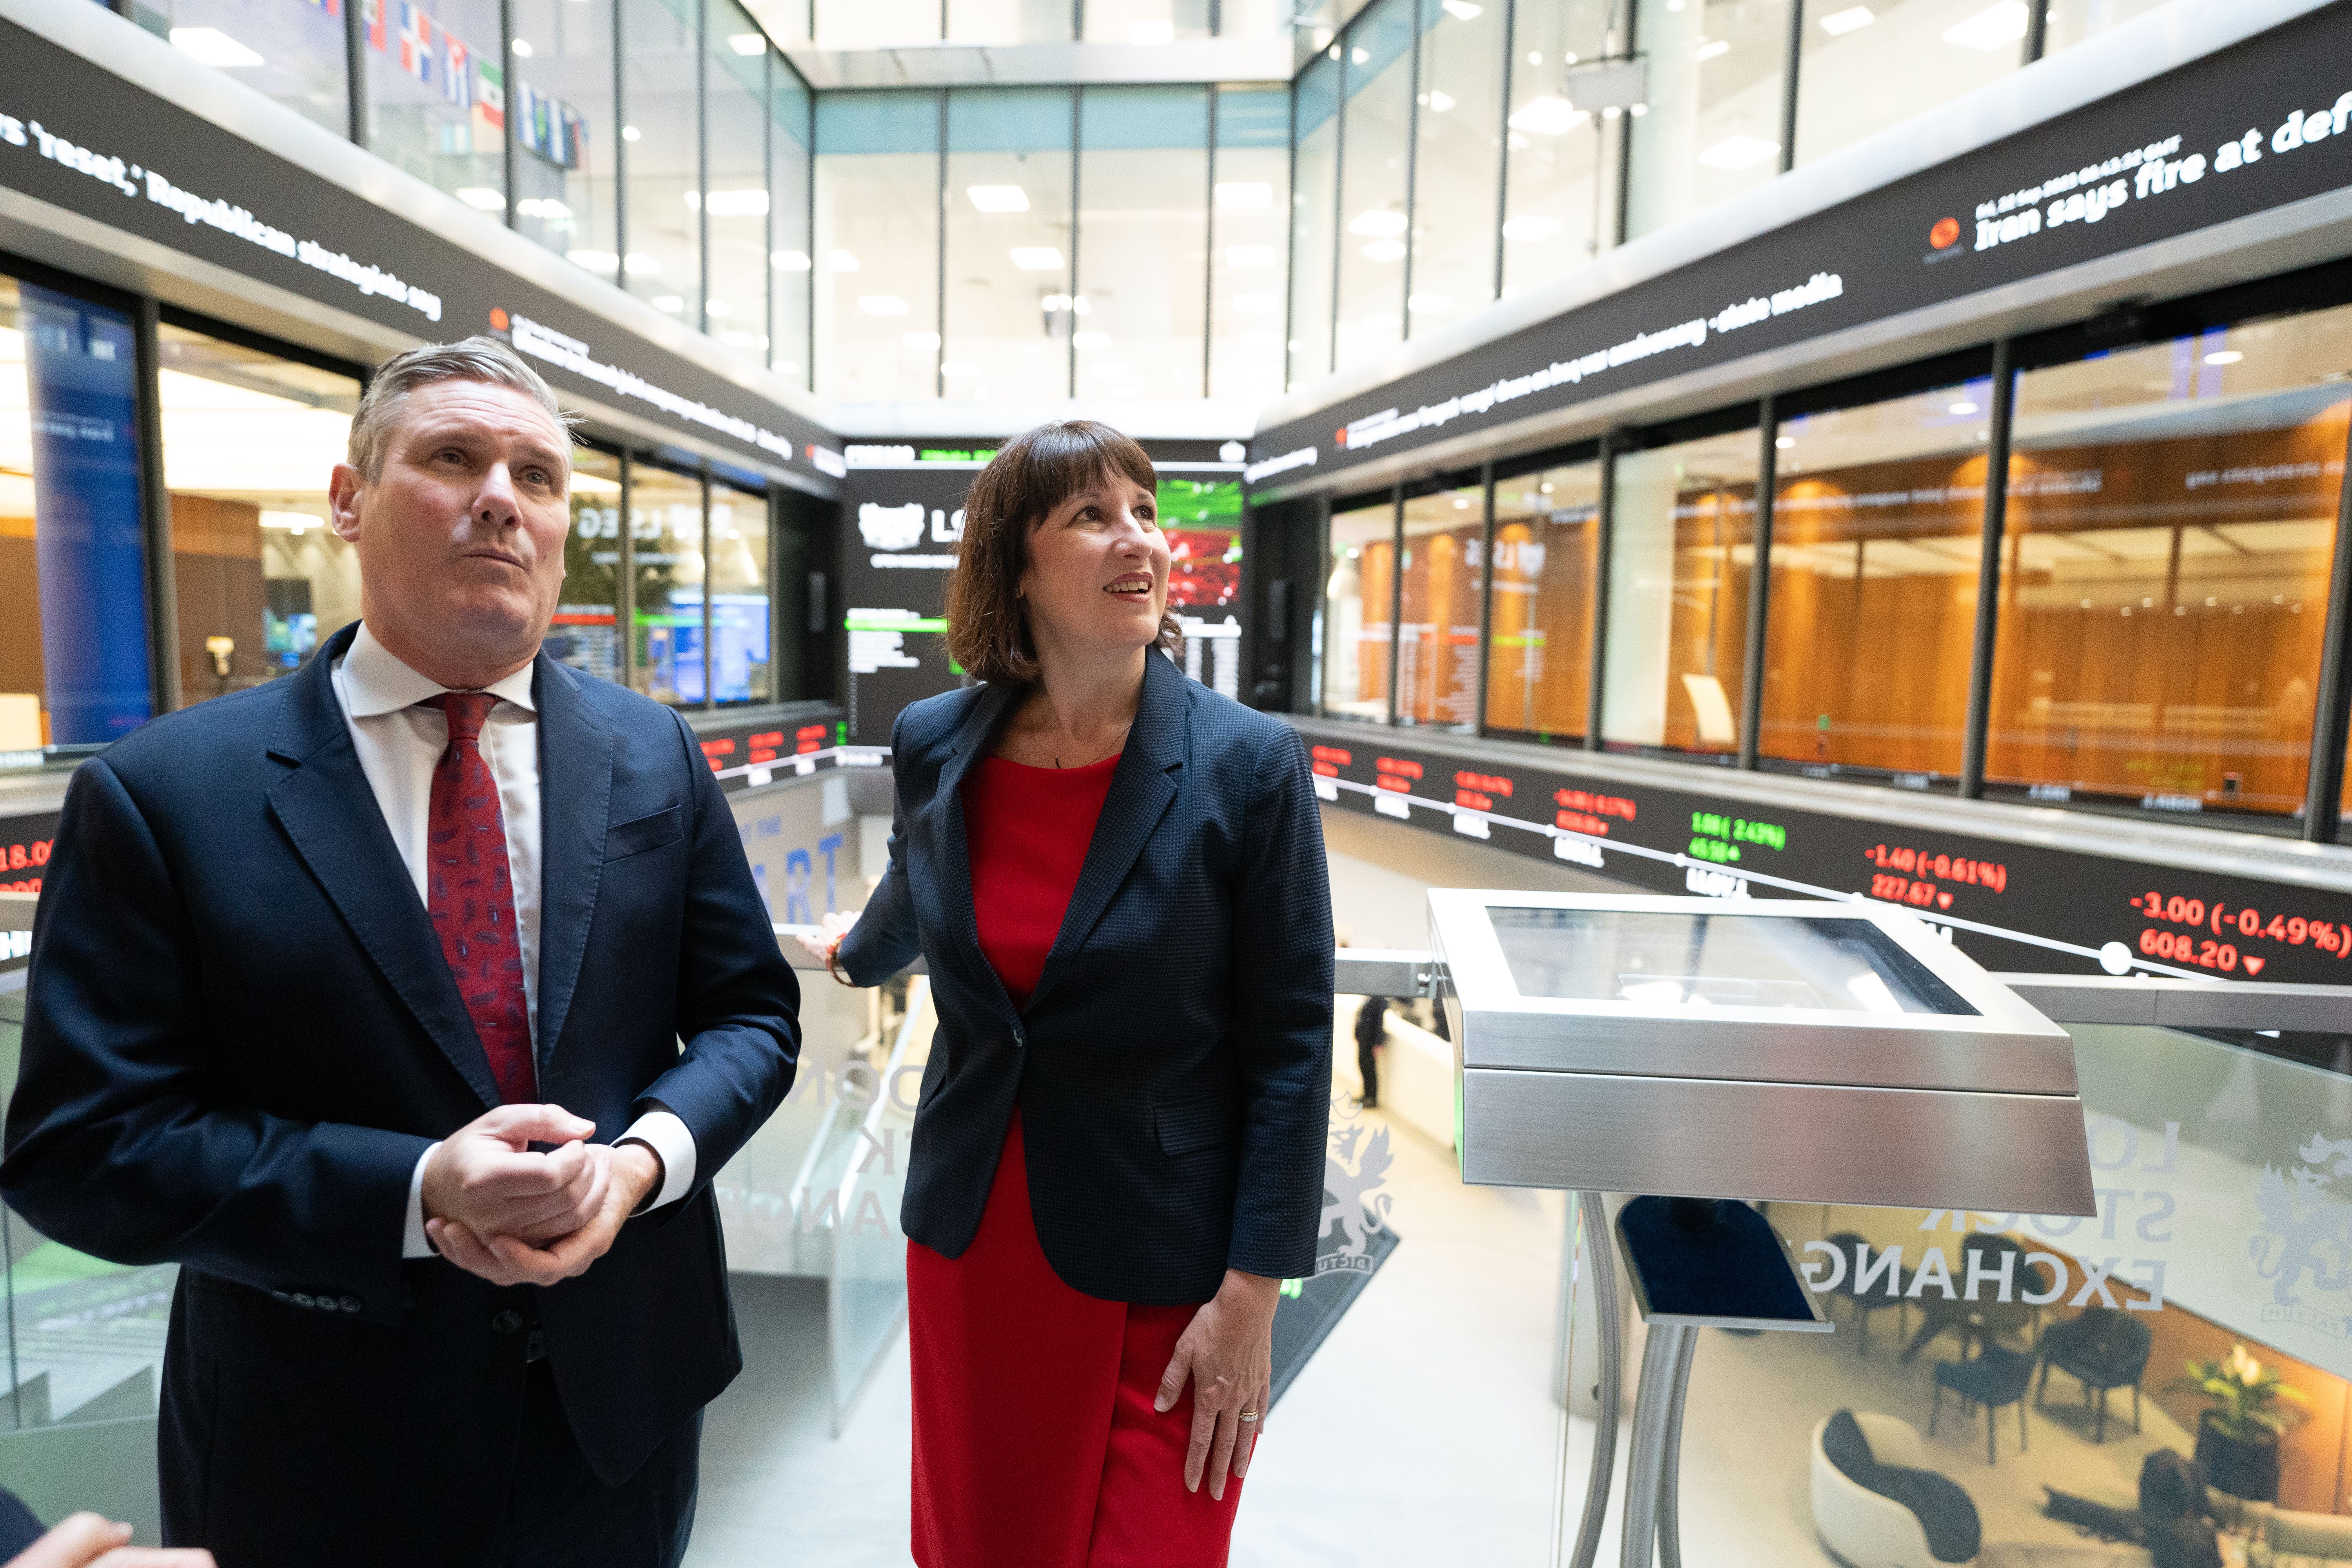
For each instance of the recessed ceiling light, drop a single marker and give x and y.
(717, 307)
(1739, 153)
(842, 261)
(748, 43)
(1714, 51)
(640, 265)
(1785, 442)
(1963, 408)
(1438, 102)
(1464, 11)
(481, 199)
(631, 133)
(1377, 223)
(1990, 30)
(1837, 24)
(790, 260)
(210, 46)
(2223, 356)
(522, 48)
(997, 198)
(672, 304)
(1036, 258)
(1382, 251)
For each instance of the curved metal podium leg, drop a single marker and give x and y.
(1653, 1420)
(1670, 1463)
(1600, 1256)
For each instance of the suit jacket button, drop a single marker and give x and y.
(507, 1322)
(351, 1303)
(283, 1295)
(303, 1298)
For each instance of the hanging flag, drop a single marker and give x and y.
(490, 98)
(415, 42)
(372, 15)
(456, 71)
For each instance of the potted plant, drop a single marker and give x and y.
(2237, 1438)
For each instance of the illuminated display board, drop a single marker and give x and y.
(2009, 906)
(24, 855)
(2219, 139)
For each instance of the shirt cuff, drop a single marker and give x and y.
(669, 1137)
(412, 1233)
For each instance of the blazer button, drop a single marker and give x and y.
(507, 1322)
(302, 1299)
(351, 1303)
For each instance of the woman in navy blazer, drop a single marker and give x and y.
(1111, 1174)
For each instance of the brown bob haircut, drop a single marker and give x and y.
(988, 627)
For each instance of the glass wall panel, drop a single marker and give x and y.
(790, 135)
(2071, 21)
(665, 531)
(875, 24)
(1681, 547)
(1437, 622)
(1314, 199)
(877, 245)
(1377, 118)
(250, 441)
(736, 172)
(1249, 241)
(1143, 240)
(658, 51)
(437, 97)
(743, 622)
(585, 633)
(1356, 609)
(2164, 575)
(1009, 300)
(1459, 163)
(288, 50)
(1547, 566)
(1864, 68)
(1877, 514)
(74, 665)
(1561, 163)
(1145, 21)
(1008, 21)
(566, 135)
(1713, 129)
(1254, 19)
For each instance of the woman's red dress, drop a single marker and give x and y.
(1035, 1441)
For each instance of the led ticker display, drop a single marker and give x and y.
(2010, 906)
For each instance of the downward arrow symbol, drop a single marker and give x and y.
(2254, 965)
(1942, 901)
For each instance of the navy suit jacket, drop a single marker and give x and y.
(240, 1035)
(1173, 1066)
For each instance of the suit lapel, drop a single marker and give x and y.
(330, 814)
(953, 856)
(1141, 789)
(575, 791)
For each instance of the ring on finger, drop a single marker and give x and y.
(1248, 1415)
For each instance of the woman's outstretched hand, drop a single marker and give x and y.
(831, 930)
(1227, 1352)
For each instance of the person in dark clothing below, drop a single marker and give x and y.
(2172, 1510)
(1372, 1027)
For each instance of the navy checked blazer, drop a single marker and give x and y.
(1174, 1066)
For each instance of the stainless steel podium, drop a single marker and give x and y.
(1698, 1050)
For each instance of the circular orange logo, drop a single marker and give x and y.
(498, 320)
(1946, 231)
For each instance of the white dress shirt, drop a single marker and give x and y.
(399, 745)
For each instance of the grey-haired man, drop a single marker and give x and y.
(390, 958)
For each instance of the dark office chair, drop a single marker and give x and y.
(2103, 1349)
(1883, 1293)
(1997, 1377)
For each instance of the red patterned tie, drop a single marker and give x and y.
(470, 897)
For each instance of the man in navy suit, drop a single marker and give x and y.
(409, 1002)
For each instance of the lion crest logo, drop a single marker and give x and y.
(2306, 1231)
(1350, 1201)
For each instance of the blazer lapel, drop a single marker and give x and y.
(575, 791)
(954, 851)
(1141, 789)
(330, 815)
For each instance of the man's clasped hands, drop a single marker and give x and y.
(495, 1206)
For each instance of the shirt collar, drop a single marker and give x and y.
(377, 682)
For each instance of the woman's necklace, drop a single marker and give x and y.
(1098, 756)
